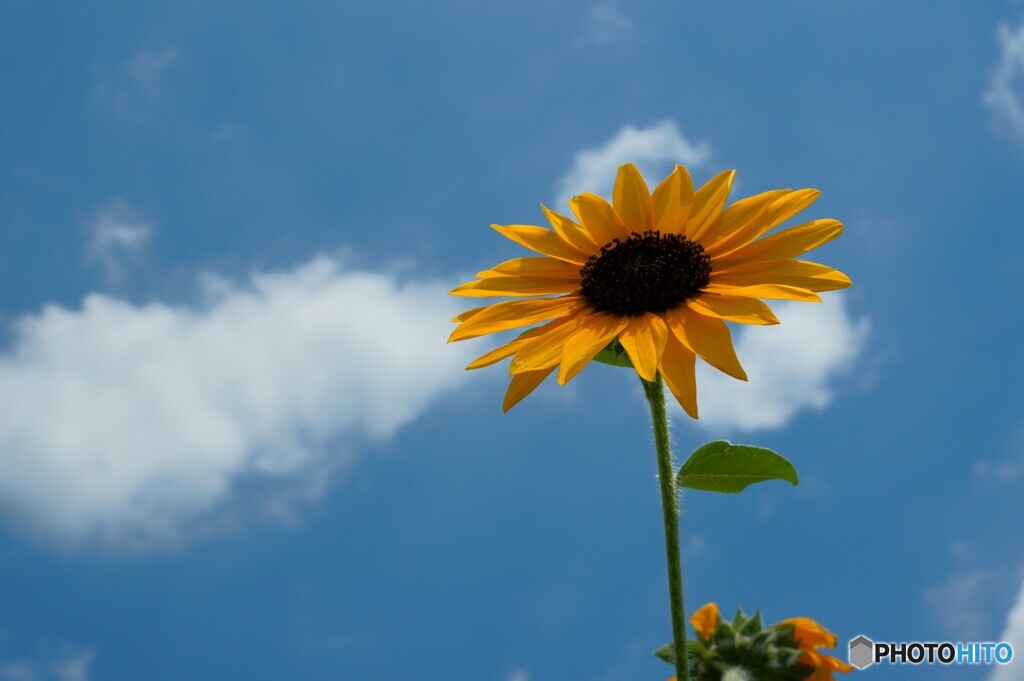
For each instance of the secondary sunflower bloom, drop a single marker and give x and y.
(745, 649)
(659, 273)
(809, 637)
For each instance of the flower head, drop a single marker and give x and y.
(656, 276)
(744, 648)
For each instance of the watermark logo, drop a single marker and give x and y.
(864, 652)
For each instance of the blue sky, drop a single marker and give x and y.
(235, 445)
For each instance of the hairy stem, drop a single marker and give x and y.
(655, 393)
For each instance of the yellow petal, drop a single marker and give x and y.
(510, 348)
(706, 336)
(598, 218)
(544, 349)
(733, 309)
(644, 340)
(497, 354)
(678, 369)
(463, 316)
(543, 241)
(515, 313)
(738, 216)
(809, 634)
(570, 231)
(787, 206)
(522, 385)
(823, 666)
(592, 335)
(515, 286)
(800, 273)
(632, 199)
(781, 209)
(672, 201)
(705, 621)
(768, 291)
(786, 244)
(533, 267)
(708, 203)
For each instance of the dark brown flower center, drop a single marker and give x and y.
(646, 272)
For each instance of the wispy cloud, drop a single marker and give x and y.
(792, 366)
(1005, 93)
(146, 68)
(959, 603)
(67, 665)
(137, 425)
(605, 25)
(134, 88)
(1007, 469)
(117, 231)
(1013, 633)
(654, 149)
(519, 675)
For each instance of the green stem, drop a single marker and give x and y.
(655, 393)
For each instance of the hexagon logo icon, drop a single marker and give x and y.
(862, 652)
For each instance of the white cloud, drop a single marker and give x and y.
(146, 68)
(1014, 635)
(134, 425)
(696, 545)
(66, 666)
(605, 25)
(1006, 470)
(654, 149)
(116, 231)
(791, 366)
(519, 675)
(1005, 93)
(138, 84)
(957, 604)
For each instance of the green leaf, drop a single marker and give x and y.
(667, 653)
(724, 467)
(615, 355)
(739, 619)
(695, 653)
(754, 624)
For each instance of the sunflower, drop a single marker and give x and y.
(789, 649)
(655, 276)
